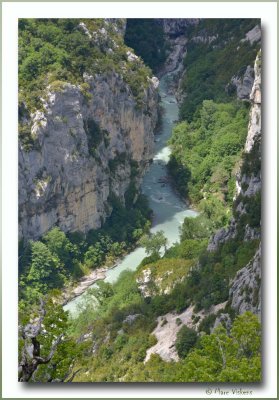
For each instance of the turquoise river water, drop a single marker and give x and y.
(168, 208)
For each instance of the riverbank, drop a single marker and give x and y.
(80, 286)
(168, 207)
(70, 294)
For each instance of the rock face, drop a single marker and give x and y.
(222, 235)
(248, 185)
(243, 84)
(175, 58)
(174, 27)
(86, 146)
(254, 35)
(254, 129)
(223, 319)
(245, 291)
(168, 325)
(176, 33)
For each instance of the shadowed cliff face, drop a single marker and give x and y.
(245, 291)
(248, 182)
(85, 150)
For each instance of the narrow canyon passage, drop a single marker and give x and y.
(168, 208)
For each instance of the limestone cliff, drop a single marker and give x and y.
(91, 141)
(248, 179)
(245, 289)
(175, 27)
(176, 31)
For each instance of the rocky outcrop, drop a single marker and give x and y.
(160, 277)
(243, 84)
(245, 291)
(174, 62)
(254, 35)
(174, 27)
(176, 31)
(248, 184)
(169, 325)
(166, 333)
(254, 129)
(87, 141)
(222, 235)
(204, 38)
(223, 319)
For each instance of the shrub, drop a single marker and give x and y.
(186, 339)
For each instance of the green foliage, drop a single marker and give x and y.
(59, 245)
(209, 284)
(207, 323)
(45, 270)
(25, 137)
(215, 358)
(154, 242)
(185, 340)
(94, 135)
(148, 40)
(218, 357)
(205, 153)
(188, 249)
(222, 358)
(199, 227)
(251, 215)
(59, 259)
(209, 66)
(130, 219)
(55, 51)
(150, 259)
(165, 274)
(55, 322)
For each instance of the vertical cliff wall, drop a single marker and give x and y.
(90, 141)
(245, 289)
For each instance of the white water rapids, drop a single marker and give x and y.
(168, 209)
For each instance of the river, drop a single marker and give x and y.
(168, 208)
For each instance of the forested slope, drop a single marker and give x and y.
(191, 315)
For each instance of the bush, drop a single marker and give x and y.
(207, 323)
(205, 153)
(186, 339)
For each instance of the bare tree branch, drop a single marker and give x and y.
(31, 353)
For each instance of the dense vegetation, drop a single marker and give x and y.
(108, 340)
(53, 52)
(147, 38)
(210, 66)
(59, 259)
(120, 333)
(206, 152)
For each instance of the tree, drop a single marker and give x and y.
(44, 272)
(196, 228)
(103, 291)
(59, 245)
(154, 242)
(223, 358)
(45, 352)
(186, 339)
